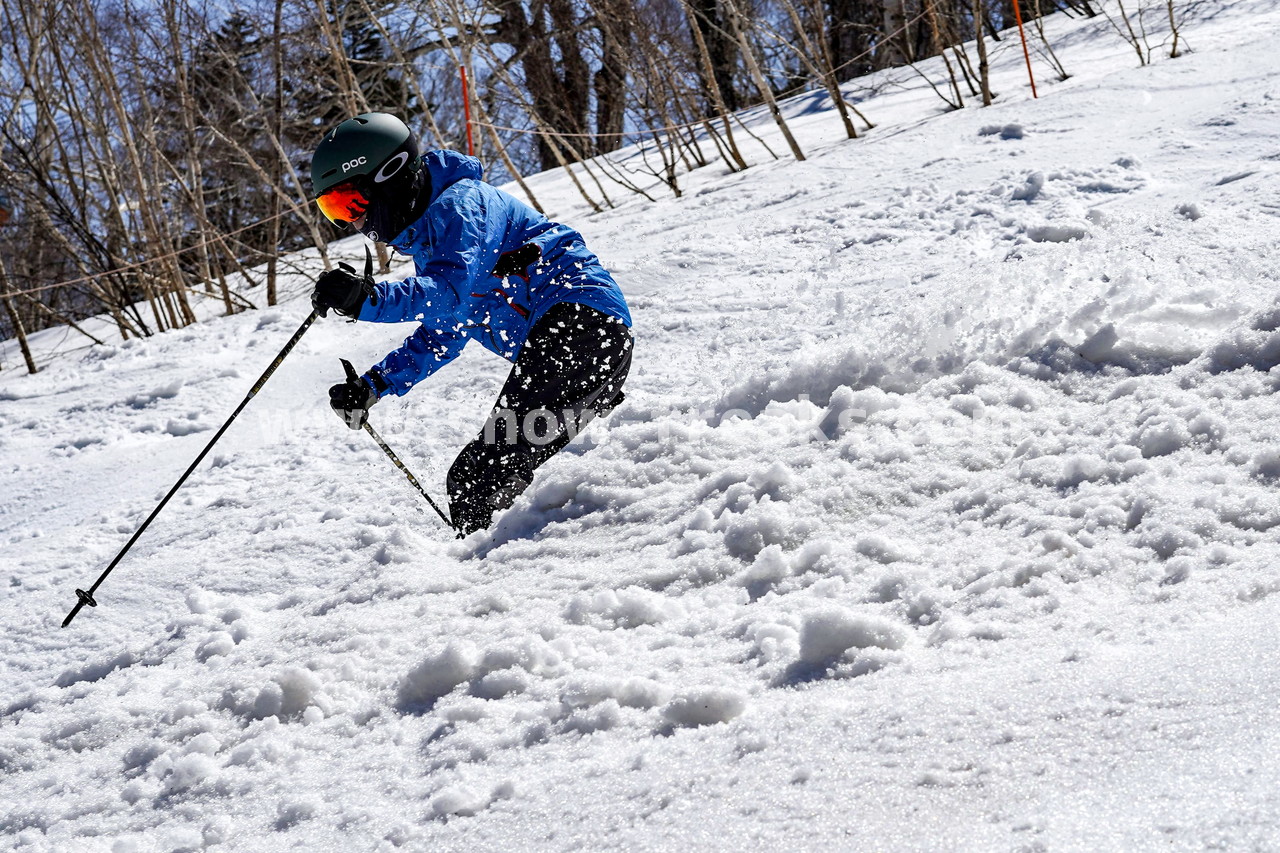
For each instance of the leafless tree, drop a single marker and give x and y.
(159, 148)
(984, 76)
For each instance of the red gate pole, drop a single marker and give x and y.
(466, 108)
(1017, 13)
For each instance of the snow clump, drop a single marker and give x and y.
(436, 677)
(828, 633)
(704, 706)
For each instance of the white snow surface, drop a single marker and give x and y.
(942, 514)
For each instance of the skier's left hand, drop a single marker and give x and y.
(351, 402)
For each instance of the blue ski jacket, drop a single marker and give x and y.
(488, 266)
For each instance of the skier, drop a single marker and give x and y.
(488, 267)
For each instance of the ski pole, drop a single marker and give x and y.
(86, 597)
(352, 376)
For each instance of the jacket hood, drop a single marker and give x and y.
(445, 168)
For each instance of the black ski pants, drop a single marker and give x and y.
(571, 368)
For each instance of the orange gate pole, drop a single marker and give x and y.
(1017, 13)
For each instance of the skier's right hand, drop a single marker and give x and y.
(342, 290)
(351, 401)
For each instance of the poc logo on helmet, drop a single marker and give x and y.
(352, 164)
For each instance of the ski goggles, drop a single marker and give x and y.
(343, 204)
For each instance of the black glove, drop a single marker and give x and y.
(352, 399)
(343, 291)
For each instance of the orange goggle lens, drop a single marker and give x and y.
(343, 204)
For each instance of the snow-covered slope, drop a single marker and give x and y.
(942, 514)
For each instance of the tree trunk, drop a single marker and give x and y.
(616, 24)
(854, 23)
(983, 75)
(712, 30)
(277, 173)
(560, 95)
(896, 45)
(707, 64)
(186, 105)
(749, 56)
(18, 329)
(818, 59)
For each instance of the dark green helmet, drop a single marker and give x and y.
(375, 146)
